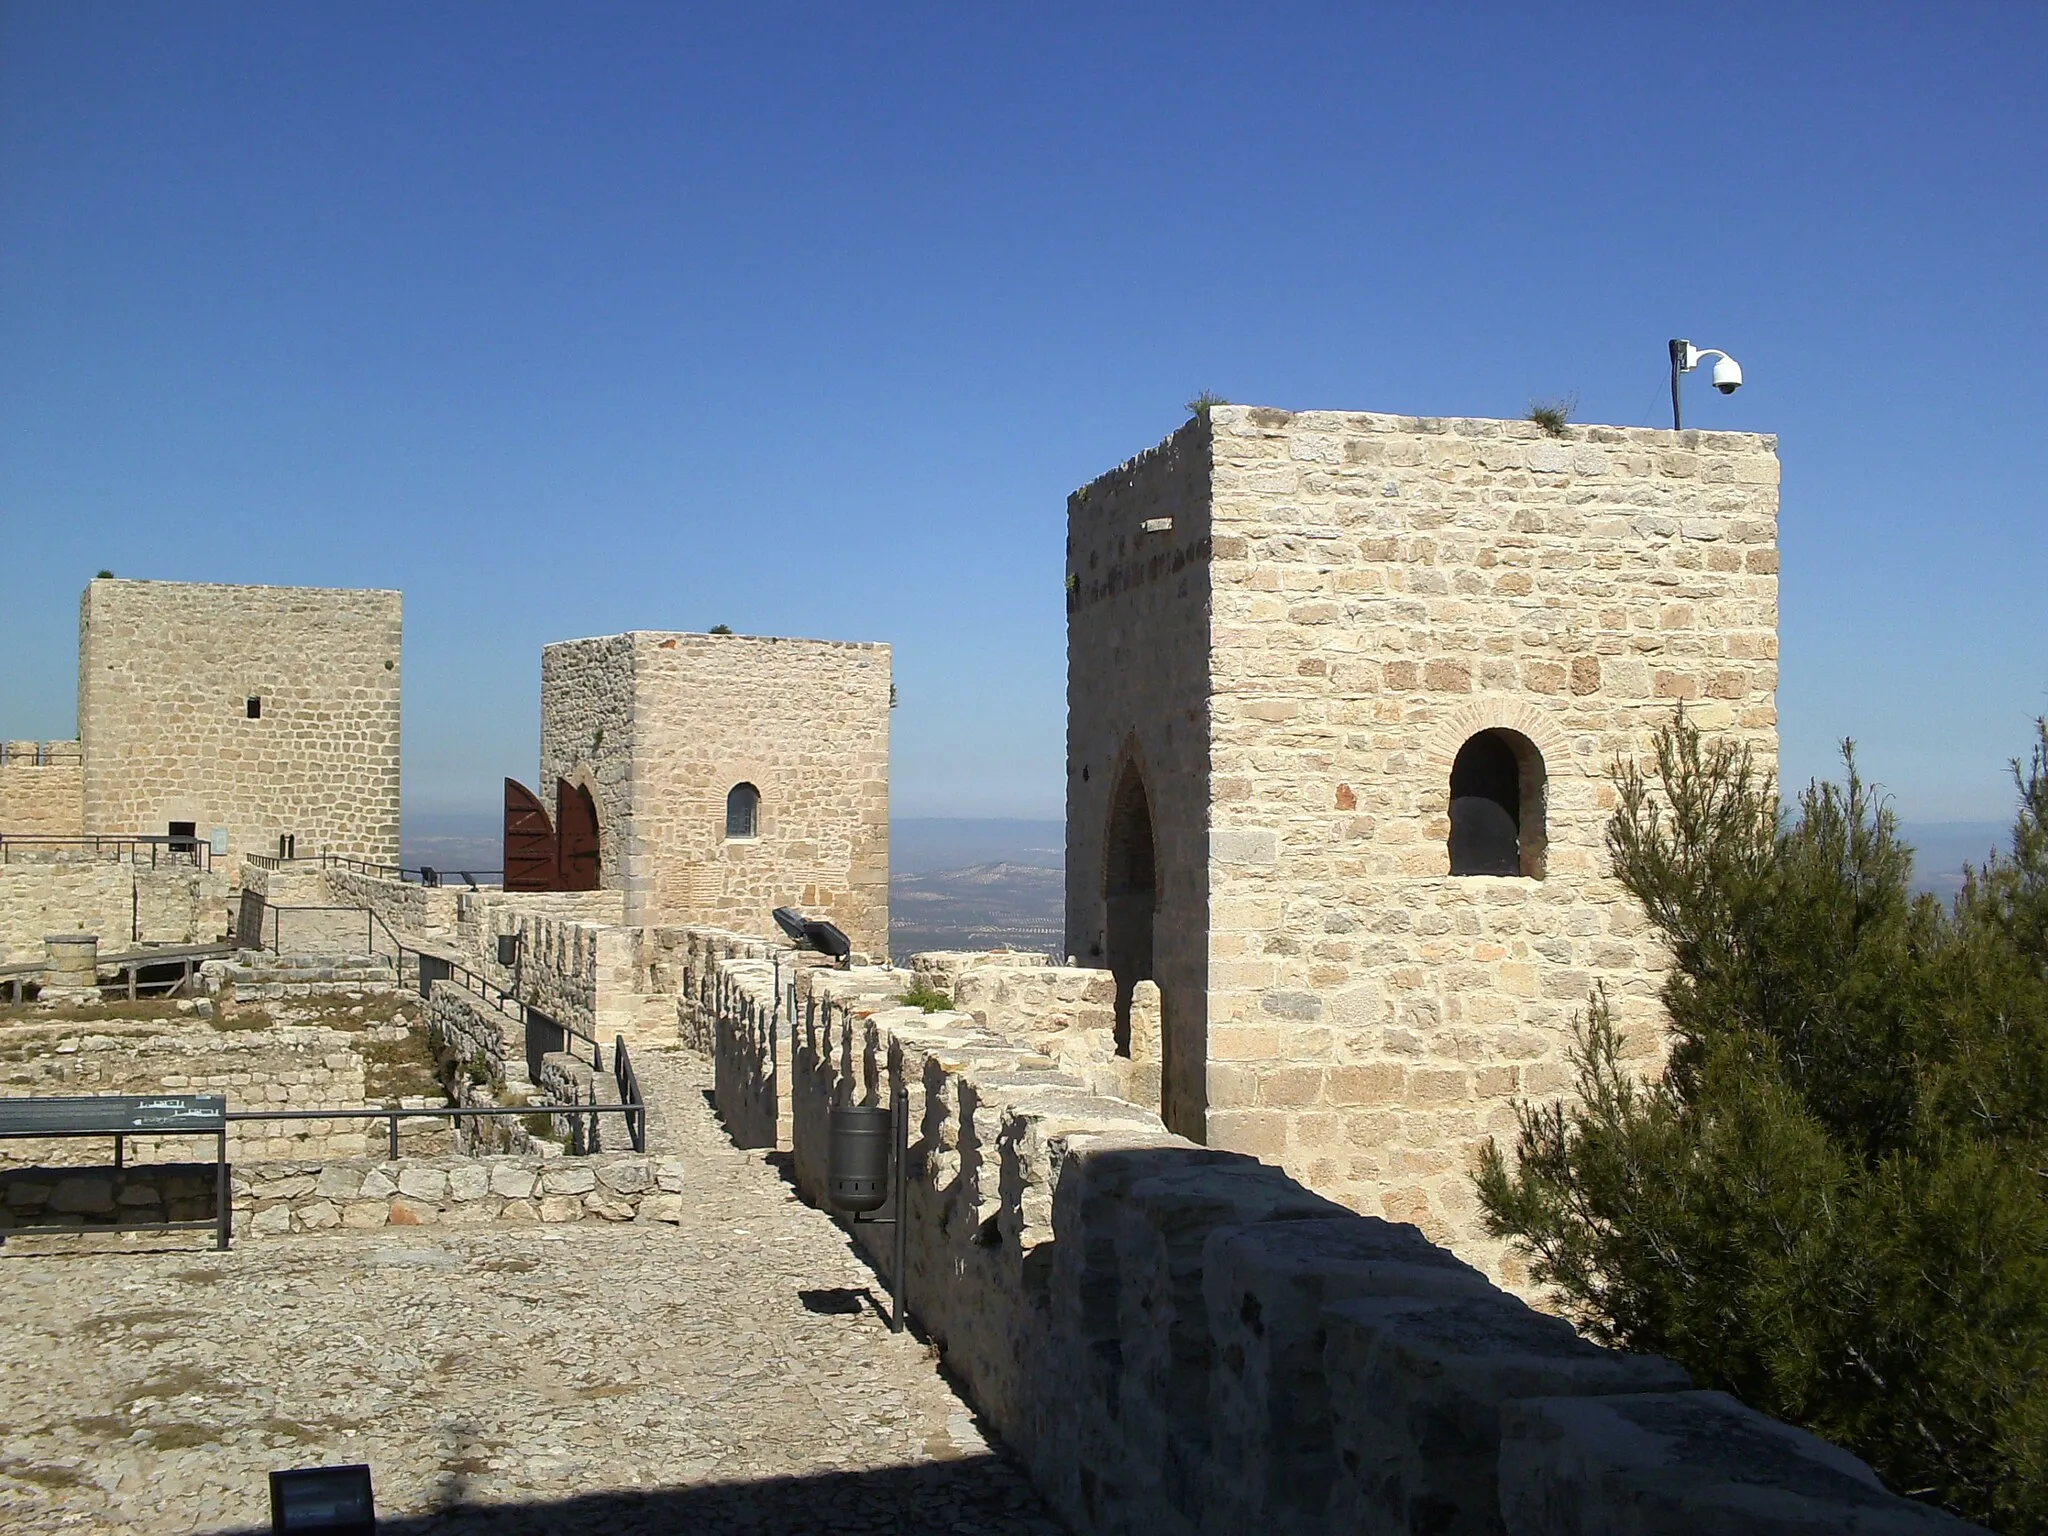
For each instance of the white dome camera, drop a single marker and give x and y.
(1685, 357)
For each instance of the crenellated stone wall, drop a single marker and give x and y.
(42, 788)
(1325, 609)
(1181, 1339)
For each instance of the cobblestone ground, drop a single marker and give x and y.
(730, 1375)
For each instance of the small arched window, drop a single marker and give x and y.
(1497, 794)
(743, 811)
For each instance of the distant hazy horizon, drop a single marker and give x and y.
(924, 845)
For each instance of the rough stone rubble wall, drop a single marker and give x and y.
(294, 1067)
(173, 904)
(1178, 1338)
(42, 789)
(662, 726)
(165, 672)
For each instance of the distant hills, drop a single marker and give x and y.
(975, 883)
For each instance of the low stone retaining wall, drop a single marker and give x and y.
(275, 1198)
(75, 891)
(1180, 1340)
(277, 1067)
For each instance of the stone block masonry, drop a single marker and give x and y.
(272, 1199)
(265, 711)
(120, 903)
(663, 729)
(42, 788)
(1284, 629)
(1179, 1339)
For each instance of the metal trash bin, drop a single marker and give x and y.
(857, 1158)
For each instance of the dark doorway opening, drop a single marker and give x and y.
(1131, 886)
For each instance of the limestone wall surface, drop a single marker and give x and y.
(42, 788)
(1179, 1339)
(660, 727)
(1380, 590)
(166, 670)
(1138, 686)
(122, 903)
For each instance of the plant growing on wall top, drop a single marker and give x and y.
(927, 997)
(721, 629)
(1551, 415)
(1199, 406)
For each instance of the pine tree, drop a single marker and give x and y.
(1833, 1200)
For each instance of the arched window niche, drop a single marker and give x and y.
(742, 812)
(1497, 795)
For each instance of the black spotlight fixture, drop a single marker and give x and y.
(791, 922)
(332, 1501)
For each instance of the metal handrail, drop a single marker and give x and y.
(426, 874)
(450, 1112)
(629, 1093)
(198, 850)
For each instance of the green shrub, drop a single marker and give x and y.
(1833, 1202)
(926, 997)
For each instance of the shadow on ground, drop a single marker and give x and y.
(972, 1496)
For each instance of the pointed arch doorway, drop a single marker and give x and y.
(1131, 892)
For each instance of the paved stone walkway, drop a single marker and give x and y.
(730, 1375)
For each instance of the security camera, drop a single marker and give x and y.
(1685, 357)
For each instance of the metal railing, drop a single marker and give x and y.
(196, 851)
(449, 1112)
(629, 1093)
(48, 754)
(426, 874)
(538, 1026)
(15, 979)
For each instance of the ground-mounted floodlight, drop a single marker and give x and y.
(1685, 357)
(858, 1169)
(323, 1501)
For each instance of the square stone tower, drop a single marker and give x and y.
(1344, 692)
(263, 711)
(731, 774)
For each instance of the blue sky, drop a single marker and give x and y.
(574, 319)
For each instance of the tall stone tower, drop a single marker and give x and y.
(258, 712)
(1343, 696)
(729, 774)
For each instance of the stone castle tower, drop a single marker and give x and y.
(1343, 695)
(728, 774)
